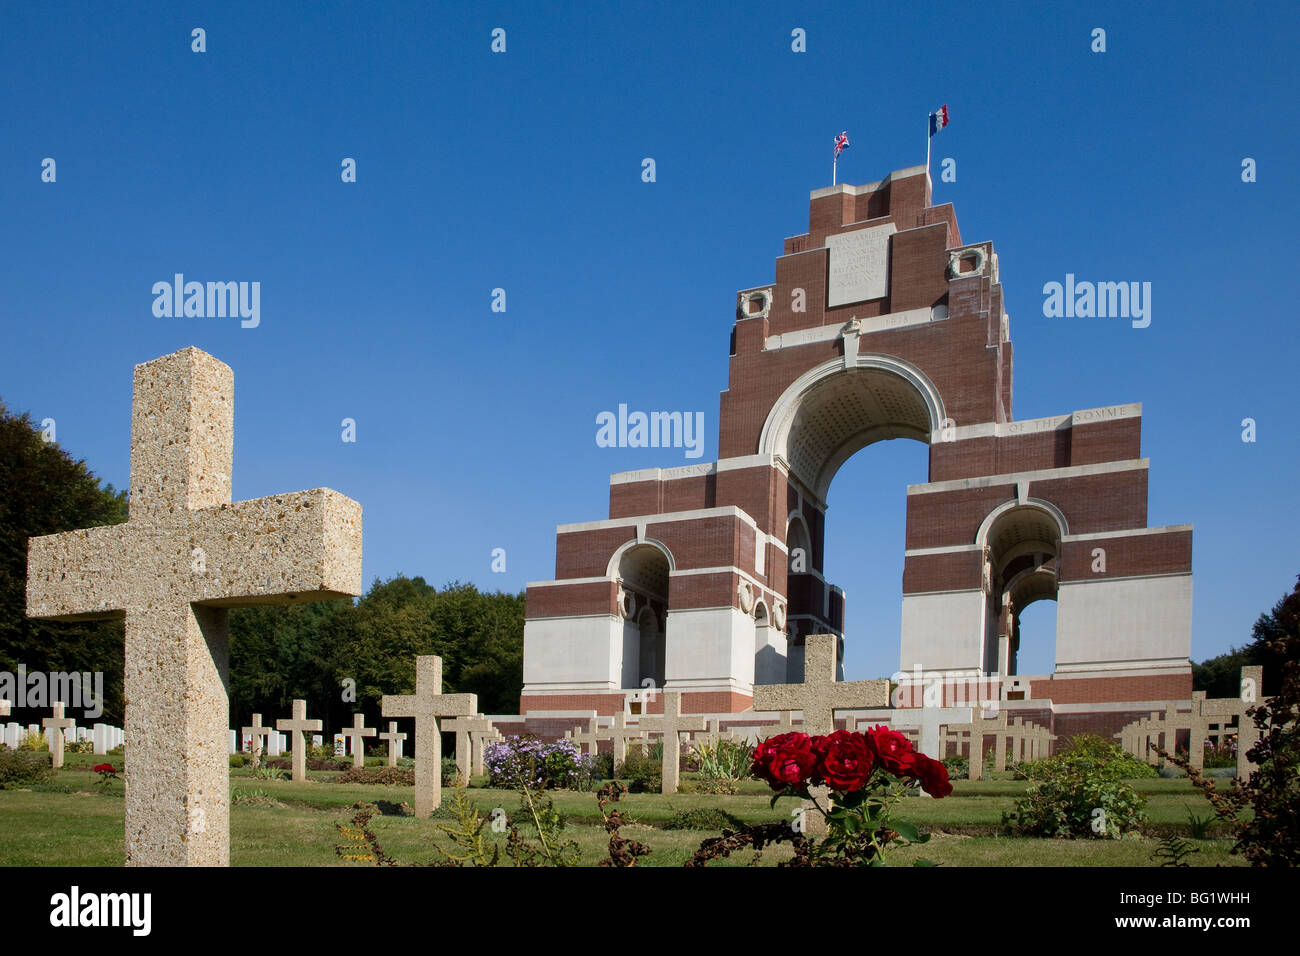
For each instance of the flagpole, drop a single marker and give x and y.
(928, 137)
(835, 164)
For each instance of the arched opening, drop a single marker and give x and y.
(650, 637)
(1022, 547)
(821, 421)
(643, 578)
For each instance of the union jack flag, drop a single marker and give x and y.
(841, 143)
(939, 119)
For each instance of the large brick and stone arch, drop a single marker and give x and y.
(881, 323)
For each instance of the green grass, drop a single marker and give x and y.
(71, 822)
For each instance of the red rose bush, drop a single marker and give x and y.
(866, 773)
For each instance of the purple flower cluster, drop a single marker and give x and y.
(527, 761)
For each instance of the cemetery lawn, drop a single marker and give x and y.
(70, 821)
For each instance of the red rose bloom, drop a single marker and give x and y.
(932, 774)
(893, 750)
(785, 760)
(844, 760)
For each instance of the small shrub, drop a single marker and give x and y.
(1075, 798)
(725, 763)
(330, 764)
(1094, 756)
(384, 776)
(269, 773)
(252, 797)
(703, 819)
(33, 741)
(958, 766)
(643, 774)
(602, 768)
(80, 747)
(23, 767)
(450, 774)
(237, 761)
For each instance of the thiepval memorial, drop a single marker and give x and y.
(882, 323)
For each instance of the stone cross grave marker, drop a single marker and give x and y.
(1027, 740)
(57, 723)
(671, 724)
(714, 735)
(1252, 686)
(394, 740)
(818, 697)
(297, 728)
(256, 732)
(464, 728)
(1136, 736)
(590, 737)
(1206, 718)
(820, 694)
(784, 725)
(174, 569)
(620, 731)
(356, 732)
(479, 738)
(426, 705)
(928, 720)
(972, 734)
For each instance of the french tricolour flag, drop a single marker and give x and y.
(939, 119)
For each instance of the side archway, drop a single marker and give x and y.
(1022, 551)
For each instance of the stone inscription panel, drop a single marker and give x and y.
(859, 266)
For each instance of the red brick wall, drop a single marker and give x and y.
(1157, 553)
(562, 600)
(1097, 690)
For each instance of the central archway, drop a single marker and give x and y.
(833, 411)
(824, 418)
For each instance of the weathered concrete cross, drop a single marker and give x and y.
(464, 728)
(357, 732)
(972, 734)
(1252, 688)
(671, 724)
(590, 737)
(928, 720)
(184, 558)
(480, 738)
(820, 694)
(620, 732)
(58, 723)
(426, 705)
(298, 727)
(818, 697)
(4, 708)
(394, 742)
(257, 732)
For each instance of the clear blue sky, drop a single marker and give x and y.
(521, 170)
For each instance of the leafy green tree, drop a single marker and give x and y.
(1221, 676)
(315, 651)
(44, 491)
